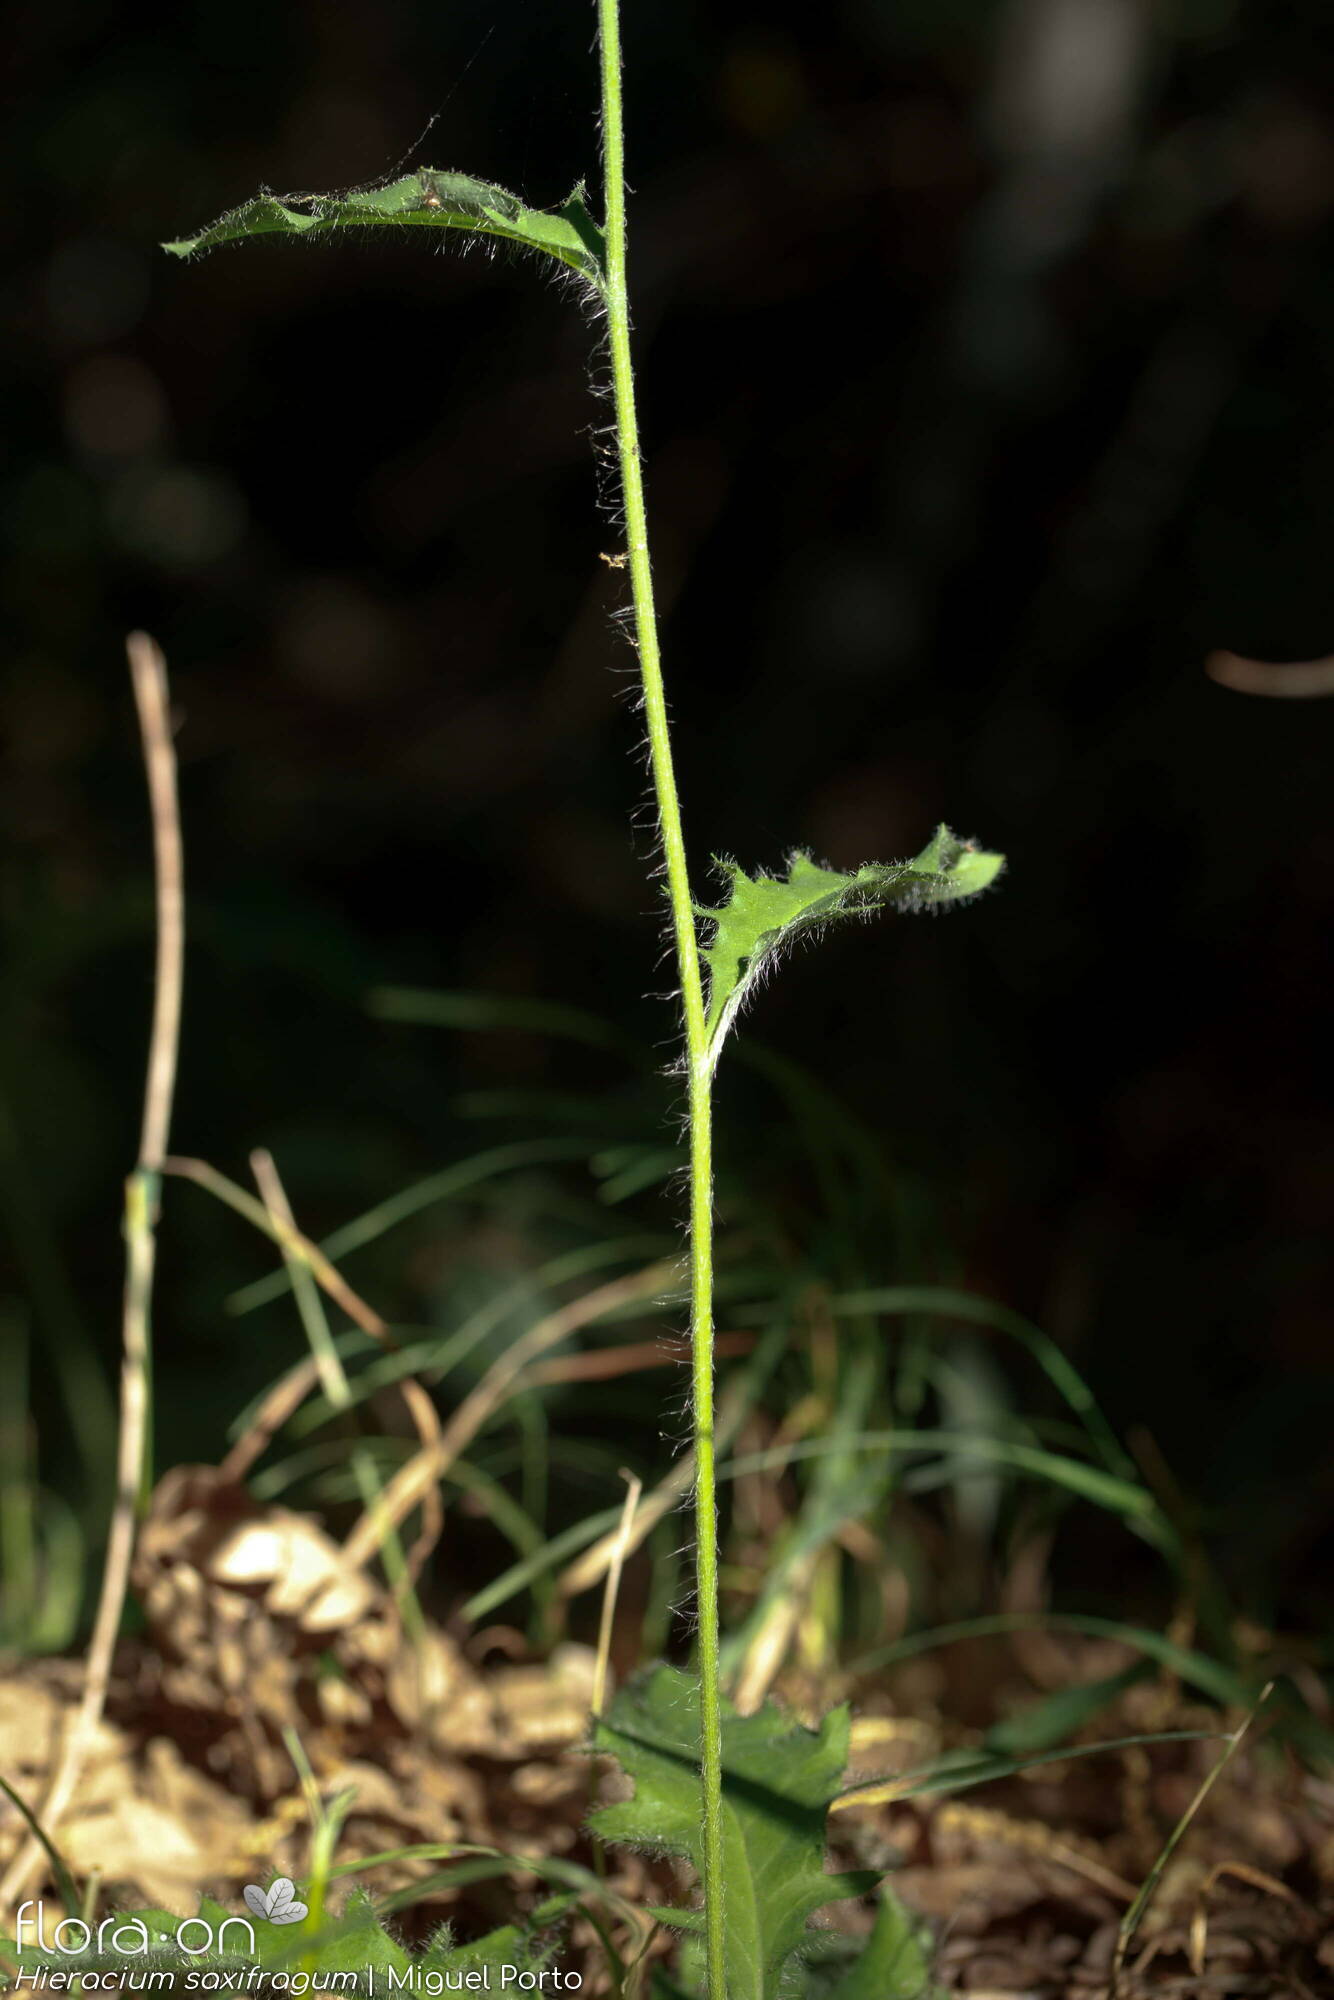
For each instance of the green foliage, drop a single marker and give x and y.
(778, 1781)
(509, 1945)
(893, 1964)
(763, 913)
(427, 199)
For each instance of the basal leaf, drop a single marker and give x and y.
(428, 199)
(895, 1962)
(491, 1955)
(357, 1941)
(778, 1780)
(512, 1948)
(764, 913)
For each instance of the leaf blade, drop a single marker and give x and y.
(430, 198)
(896, 1961)
(765, 913)
(778, 1782)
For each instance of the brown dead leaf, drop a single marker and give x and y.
(300, 1568)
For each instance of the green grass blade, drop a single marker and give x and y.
(1090, 1482)
(424, 1007)
(338, 1395)
(443, 1186)
(63, 1554)
(935, 1301)
(18, 1484)
(961, 1770)
(1134, 1915)
(434, 1357)
(628, 1170)
(64, 1881)
(1060, 1716)
(80, 1380)
(844, 1489)
(1196, 1669)
(511, 1581)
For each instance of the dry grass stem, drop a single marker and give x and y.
(286, 1396)
(289, 1392)
(430, 1465)
(419, 1405)
(148, 671)
(1134, 1916)
(635, 1487)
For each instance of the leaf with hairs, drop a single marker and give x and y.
(895, 1963)
(356, 1941)
(428, 199)
(507, 1948)
(778, 1781)
(764, 913)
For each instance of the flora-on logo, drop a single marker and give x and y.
(127, 1935)
(279, 1906)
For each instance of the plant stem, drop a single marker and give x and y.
(142, 1190)
(692, 989)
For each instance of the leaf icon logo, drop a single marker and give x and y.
(279, 1906)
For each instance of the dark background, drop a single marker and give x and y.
(986, 358)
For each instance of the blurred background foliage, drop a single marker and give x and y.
(987, 375)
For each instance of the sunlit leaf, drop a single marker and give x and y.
(765, 913)
(428, 199)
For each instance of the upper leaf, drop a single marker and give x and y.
(428, 199)
(778, 1780)
(763, 913)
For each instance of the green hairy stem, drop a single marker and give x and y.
(698, 1067)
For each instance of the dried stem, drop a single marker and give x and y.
(635, 1487)
(402, 1572)
(149, 672)
(429, 1466)
(298, 1249)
